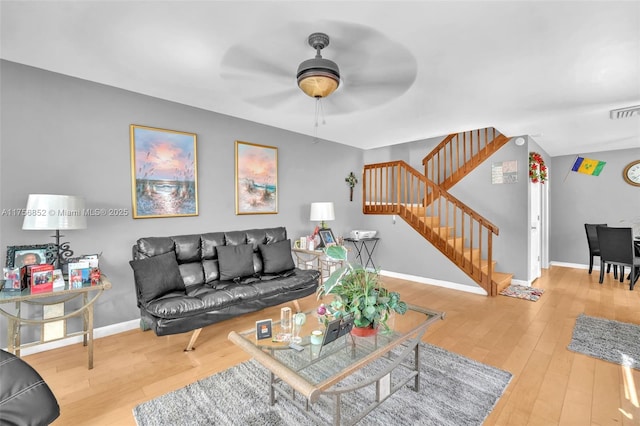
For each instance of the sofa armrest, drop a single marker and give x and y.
(25, 399)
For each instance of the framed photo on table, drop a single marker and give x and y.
(164, 173)
(19, 256)
(327, 238)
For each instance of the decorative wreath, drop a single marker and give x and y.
(537, 169)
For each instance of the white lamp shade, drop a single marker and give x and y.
(322, 211)
(47, 211)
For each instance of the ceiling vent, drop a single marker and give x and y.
(627, 112)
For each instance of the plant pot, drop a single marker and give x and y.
(364, 331)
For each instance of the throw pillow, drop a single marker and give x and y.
(235, 261)
(156, 276)
(276, 257)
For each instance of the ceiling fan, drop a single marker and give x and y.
(318, 77)
(368, 67)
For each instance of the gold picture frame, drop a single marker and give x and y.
(164, 172)
(256, 178)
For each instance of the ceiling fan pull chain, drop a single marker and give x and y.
(321, 110)
(315, 126)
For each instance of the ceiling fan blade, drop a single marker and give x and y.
(249, 60)
(272, 99)
(339, 103)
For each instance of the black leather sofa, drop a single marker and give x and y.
(186, 282)
(25, 399)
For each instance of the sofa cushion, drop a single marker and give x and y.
(153, 246)
(276, 257)
(156, 276)
(235, 261)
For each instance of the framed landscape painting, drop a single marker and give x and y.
(164, 173)
(256, 178)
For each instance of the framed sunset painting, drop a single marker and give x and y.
(164, 173)
(256, 178)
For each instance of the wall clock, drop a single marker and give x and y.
(631, 173)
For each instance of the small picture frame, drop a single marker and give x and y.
(327, 238)
(18, 256)
(13, 280)
(41, 278)
(337, 328)
(263, 329)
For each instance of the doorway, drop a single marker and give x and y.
(538, 229)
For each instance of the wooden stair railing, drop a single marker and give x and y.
(459, 232)
(459, 153)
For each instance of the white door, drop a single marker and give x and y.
(535, 233)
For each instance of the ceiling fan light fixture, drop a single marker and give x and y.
(318, 77)
(318, 82)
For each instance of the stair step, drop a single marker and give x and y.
(443, 231)
(502, 280)
(457, 243)
(429, 221)
(417, 209)
(467, 252)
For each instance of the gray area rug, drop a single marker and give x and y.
(454, 390)
(612, 341)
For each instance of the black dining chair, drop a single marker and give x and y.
(594, 247)
(616, 248)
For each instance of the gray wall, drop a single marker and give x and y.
(577, 199)
(63, 135)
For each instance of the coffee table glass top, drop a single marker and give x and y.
(323, 366)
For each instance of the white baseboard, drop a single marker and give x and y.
(520, 282)
(97, 333)
(574, 265)
(439, 283)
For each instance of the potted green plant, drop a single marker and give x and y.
(359, 292)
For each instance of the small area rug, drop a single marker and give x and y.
(454, 390)
(523, 292)
(612, 341)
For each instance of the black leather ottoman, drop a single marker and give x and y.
(25, 399)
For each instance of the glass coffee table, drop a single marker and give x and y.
(326, 370)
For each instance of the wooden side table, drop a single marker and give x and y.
(55, 297)
(316, 259)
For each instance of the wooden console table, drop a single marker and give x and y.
(55, 297)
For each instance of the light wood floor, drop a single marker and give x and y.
(550, 385)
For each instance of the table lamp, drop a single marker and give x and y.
(322, 212)
(55, 212)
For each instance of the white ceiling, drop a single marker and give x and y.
(411, 70)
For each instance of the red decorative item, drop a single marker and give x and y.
(537, 168)
(41, 278)
(95, 276)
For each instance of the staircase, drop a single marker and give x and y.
(422, 200)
